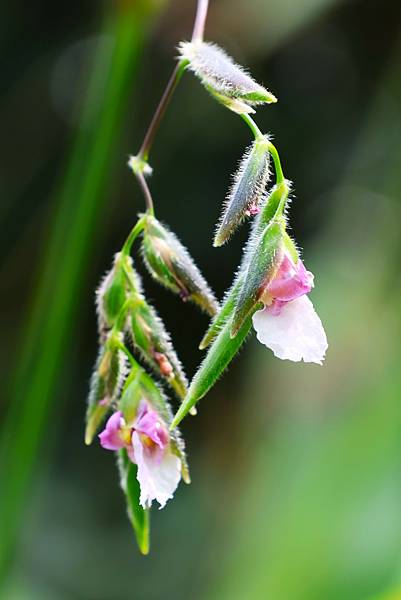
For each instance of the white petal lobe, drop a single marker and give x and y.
(158, 475)
(295, 334)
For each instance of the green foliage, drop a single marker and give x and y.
(139, 517)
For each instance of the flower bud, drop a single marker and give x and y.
(246, 193)
(262, 266)
(105, 386)
(228, 82)
(171, 265)
(112, 292)
(151, 339)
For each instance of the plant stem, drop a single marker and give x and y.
(160, 110)
(272, 148)
(200, 20)
(135, 231)
(277, 163)
(143, 154)
(252, 126)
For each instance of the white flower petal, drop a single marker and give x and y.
(158, 474)
(295, 334)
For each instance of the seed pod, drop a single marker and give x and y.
(106, 382)
(246, 193)
(220, 354)
(171, 265)
(151, 339)
(262, 266)
(226, 80)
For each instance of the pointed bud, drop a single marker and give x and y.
(171, 265)
(226, 80)
(112, 292)
(151, 339)
(247, 191)
(222, 316)
(263, 264)
(131, 396)
(219, 356)
(106, 382)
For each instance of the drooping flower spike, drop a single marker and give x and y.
(147, 442)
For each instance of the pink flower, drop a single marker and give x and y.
(147, 442)
(288, 324)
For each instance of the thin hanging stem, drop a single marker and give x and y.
(143, 154)
(146, 191)
(200, 20)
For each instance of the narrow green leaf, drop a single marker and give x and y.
(222, 316)
(139, 517)
(220, 354)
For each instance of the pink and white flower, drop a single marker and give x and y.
(288, 324)
(147, 442)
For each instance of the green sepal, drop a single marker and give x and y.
(139, 517)
(106, 381)
(247, 190)
(222, 316)
(170, 264)
(131, 396)
(150, 338)
(261, 269)
(219, 355)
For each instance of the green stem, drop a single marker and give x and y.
(277, 163)
(258, 135)
(135, 231)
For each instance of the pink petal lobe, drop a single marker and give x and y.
(149, 423)
(291, 281)
(110, 438)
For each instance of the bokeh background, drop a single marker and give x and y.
(296, 469)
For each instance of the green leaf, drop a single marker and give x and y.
(170, 264)
(222, 316)
(139, 517)
(247, 190)
(220, 354)
(261, 269)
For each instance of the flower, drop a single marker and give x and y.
(147, 442)
(288, 324)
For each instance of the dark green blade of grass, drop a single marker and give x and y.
(79, 203)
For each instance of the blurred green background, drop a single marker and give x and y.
(296, 469)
